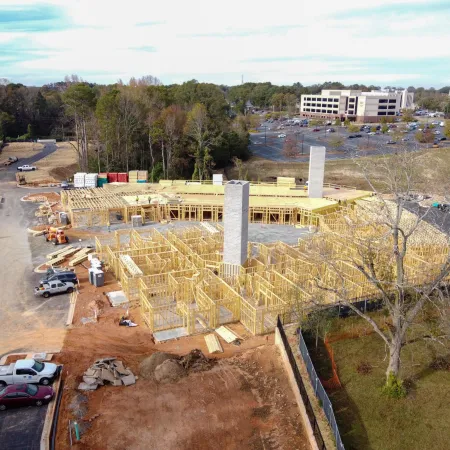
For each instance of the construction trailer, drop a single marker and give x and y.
(178, 277)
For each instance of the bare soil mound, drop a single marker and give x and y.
(169, 371)
(148, 365)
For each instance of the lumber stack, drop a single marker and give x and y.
(80, 256)
(58, 252)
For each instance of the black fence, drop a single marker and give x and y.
(301, 387)
(320, 393)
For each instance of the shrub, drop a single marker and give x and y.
(364, 368)
(394, 387)
(440, 363)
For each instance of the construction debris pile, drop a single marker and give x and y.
(106, 371)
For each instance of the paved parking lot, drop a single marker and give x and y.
(21, 428)
(266, 143)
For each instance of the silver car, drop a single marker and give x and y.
(54, 287)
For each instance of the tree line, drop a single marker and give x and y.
(179, 130)
(185, 130)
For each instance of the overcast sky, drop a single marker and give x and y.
(382, 42)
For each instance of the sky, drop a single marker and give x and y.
(382, 42)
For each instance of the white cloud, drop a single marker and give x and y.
(103, 40)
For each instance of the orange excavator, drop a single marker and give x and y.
(56, 235)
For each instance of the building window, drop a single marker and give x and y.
(351, 100)
(306, 109)
(391, 113)
(329, 111)
(330, 99)
(382, 100)
(391, 107)
(381, 113)
(324, 111)
(382, 107)
(336, 100)
(393, 100)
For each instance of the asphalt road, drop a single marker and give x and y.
(47, 150)
(266, 143)
(21, 428)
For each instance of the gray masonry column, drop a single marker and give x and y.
(316, 172)
(235, 212)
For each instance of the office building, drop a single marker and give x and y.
(355, 105)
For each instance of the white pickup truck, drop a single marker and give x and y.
(26, 168)
(28, 371)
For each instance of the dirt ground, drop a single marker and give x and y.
(42, 197)
(58, 166)
(19, 149)
(244, 401)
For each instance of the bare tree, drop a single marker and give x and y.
(80, 100)
(129, 113)
(290, 149)
(197, 128)
(381, 249)
(173, 118)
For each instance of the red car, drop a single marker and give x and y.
(316, 129)
(24, 395)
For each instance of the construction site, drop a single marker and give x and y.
(196, 278)
(196, 269)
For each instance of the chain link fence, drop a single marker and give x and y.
(320, 392)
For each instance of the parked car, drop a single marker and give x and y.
(405, 139)
(25, 395)
(282, 135)
(351, 136)
(54, 287)
(331, 130)
(371, 133)
(54, 270)
(358, 135)
(61, 276)
(437, 132)
(28, 371)
(391, 142)
(26, 168)
(443, 138)
(316, 129)
(64, 185)
(11, 160)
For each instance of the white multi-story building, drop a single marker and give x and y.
(355, 105)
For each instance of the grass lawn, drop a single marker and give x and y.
(434, 166)
(369, 420)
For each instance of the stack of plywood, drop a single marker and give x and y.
(133, 176)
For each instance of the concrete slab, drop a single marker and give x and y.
(129, 380)
(167, 335)
(87, 387)
(117, 298)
